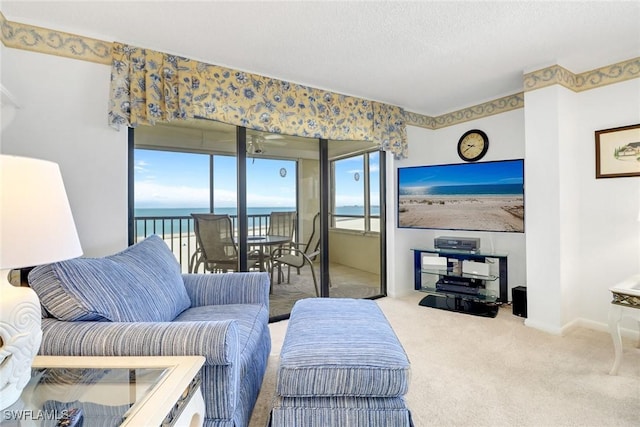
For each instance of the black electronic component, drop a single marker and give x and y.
(519, 301)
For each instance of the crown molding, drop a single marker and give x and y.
(614, 73)
(42, 40)
(420, 120)
(496, 106)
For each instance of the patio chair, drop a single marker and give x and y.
(280, 224)
(298, 255)
(216, 248)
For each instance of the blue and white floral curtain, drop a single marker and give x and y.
(149, 87)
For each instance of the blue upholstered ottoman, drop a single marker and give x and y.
(341, 364)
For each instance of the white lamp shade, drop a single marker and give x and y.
(36, 224)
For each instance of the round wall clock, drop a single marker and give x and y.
(473, 145)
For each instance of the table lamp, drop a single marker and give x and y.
(36, 227)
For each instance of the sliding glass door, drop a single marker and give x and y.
(169, 187)
(320, 199)
(355, 243)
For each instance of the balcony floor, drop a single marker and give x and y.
(346, 282)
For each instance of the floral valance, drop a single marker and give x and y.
(149, 87)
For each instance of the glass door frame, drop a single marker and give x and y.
(325, 207)
(382, 194)
(243, 226)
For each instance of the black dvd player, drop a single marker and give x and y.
(470, 244)
(458, 285)
(458, 289)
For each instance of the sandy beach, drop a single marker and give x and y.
(494, 213)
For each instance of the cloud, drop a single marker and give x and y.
(348, 200)
(152, 194)
(141, 166)
(262, 200)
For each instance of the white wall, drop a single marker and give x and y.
(432, 147)
(609, 230)
(63, 118)
(356, 250)
(582, 233)
(542, 211)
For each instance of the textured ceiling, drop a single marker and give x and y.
(427, 57)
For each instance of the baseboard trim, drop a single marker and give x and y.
(602, 327)
(554, 330)
(581, 323)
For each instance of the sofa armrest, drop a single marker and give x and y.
(217, 341)
(227, 288)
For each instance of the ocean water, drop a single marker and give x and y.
(465, 190)
(144, 227)
(165, 212)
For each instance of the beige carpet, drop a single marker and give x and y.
(474, 371)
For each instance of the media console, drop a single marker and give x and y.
(458, 280)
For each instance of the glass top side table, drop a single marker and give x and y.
(109, 391)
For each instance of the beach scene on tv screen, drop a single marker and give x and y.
(487, 196)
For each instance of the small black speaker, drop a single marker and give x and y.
(519, 300)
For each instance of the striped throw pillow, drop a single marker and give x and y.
(143, 283)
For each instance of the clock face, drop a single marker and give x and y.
(473, 145)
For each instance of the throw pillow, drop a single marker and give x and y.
(143, 283)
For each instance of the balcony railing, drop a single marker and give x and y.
(179, 233)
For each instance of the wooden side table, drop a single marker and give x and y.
(626, 303)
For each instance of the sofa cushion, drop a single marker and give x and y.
(143, 283)
(251, 319)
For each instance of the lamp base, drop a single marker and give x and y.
(20, 337)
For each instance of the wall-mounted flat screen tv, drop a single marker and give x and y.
(485, 196)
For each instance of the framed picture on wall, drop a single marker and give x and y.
(618, 152)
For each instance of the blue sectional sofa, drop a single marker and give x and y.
(137, 303)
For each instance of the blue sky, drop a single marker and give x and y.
(349, 191)
(504, 172)
(181, 180)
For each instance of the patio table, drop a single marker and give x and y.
(264, 242)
